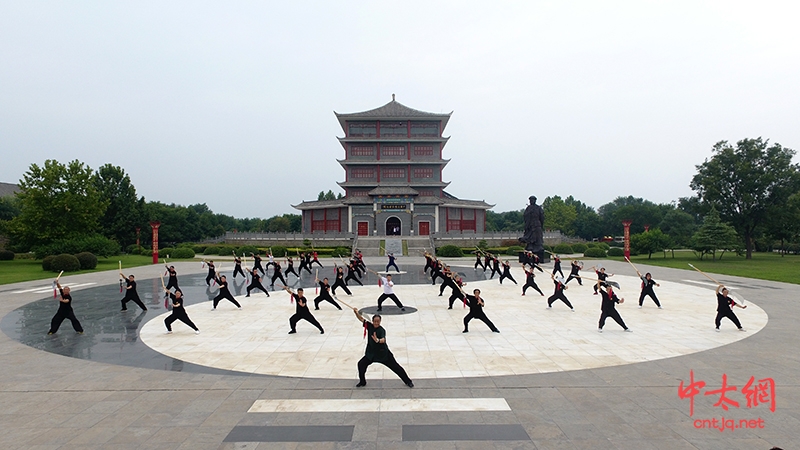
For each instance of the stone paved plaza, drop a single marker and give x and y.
(548, 380)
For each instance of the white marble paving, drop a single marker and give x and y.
(379, 405)
(430, 344)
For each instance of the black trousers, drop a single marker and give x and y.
(351, 276)
(480, 316)
(560, 296)
(390, 362)
(455, 295)
(730, 315)
(436, 274)
(392, 265)
(614, 314)
(60, 316)
(277, 276)
(646, 292)
(238, 270)
(533, 285)
(427, 265)
(494, 271)
(340, 283)
(315, 261)
(258, 267)
(443, 285)
(256, 285)
(290, 270)
(226, 296)
(394, 298)
(479, 263)
(209, 278)
(304, 266)
(327, 297)
(572, 276)
(504, 275)
(307, 317)
(172, 283)
(557, 269)
(183, 317)
(132, 298)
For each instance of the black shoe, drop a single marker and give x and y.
(440, 295)
(403, 308)
(450, 307)
(380, 309)
(495, 330)
(316, 309)
(248, 295)
(123, 310)
(361, 384)
(321, 331)
(144, 309)
(465, 331)
(410, 384)
(49, 333)
(293, 332)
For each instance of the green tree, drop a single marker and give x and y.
(744, 182)
(56, 201)
(588, 223)
(650, 242)
(505, 221)
(784, 223)
(714, 235)
(122, 215)
(559, 215)
(680, 226)
(641, 212)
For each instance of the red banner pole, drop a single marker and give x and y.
(627, 227)
(154, 226)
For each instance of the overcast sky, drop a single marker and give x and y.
(231, 103)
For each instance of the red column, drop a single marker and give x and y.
(137, 237)
(627, 227)
(154, 225)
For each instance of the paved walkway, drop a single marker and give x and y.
(548, 380)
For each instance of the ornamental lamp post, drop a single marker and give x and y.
(626, 224)
(154, 225)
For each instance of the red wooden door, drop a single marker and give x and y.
(363, 228)
(424, 228)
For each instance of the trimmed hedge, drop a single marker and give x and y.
(87, 260)
(594, 252)
(563, 249)
(132, 249)
(6, 255)
(47, 262)
(514, 250)
(341, 251)
(278, 251)
(96, 244)
(182, 253)
(65, 262)
(579, 248)
(247, 249)
(166, 251)
(210, 251)
(615, 251)
(199, 249)
(603, 245)
(449, 251)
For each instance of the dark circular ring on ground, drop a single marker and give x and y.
(388, 310)
(112, 337)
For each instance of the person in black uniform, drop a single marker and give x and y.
(447, 276)
(276, 274)
(324, 294)
(301, 311)
(377, 351)
(212, 274)
(487, 260)
(558, 292)
(575, 267)
(224, 292)
(64, 312)
(507, 272)
(130, 293)
(290, 268)
(428, 261)
(495, 266)
(256, 264)
(478, 260)
(530, 281)
(647, 289)
(456, 283)
(602, 276)
(437, 271)
(475, 303)
(178, 312)
(339, 280)
(724, 304)
(308, 262)
(255, 283)
(238, 269)
(392, 262)
(557, 265)
(352, 270)
(315, 259)
(173, 277)
(608, 307)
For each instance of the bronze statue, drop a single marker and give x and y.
(534, 226)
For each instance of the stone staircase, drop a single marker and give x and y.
(405, 245)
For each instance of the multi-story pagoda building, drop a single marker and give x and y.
(393, 179)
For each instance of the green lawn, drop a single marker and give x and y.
(31, 269)
(764, 266)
